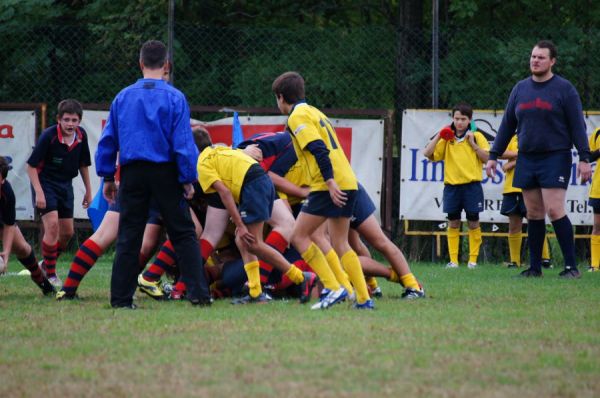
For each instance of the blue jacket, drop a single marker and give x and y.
(148, 121)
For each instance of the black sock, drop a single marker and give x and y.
(536, 232)
(566, 240)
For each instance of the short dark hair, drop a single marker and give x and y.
(4, 167)
(463, 108)
(291, 86)
(69, 106)
(201, 137)
(550, 46)
(153, 54)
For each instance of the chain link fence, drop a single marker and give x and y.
(362, 67)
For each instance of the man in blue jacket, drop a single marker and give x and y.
(149, 126)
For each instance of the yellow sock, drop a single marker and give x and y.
(253, 273)
(317, 261)
(394, 276)
(546, 250)
(340, 275)
(372, 282)
(295, 275)
(514, 246)
(595, 248)
(352, 266)
(474, 244)
(409, 280)
(453, 238)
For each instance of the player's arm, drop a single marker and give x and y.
(509, 165)
(40, 199)
(429, 149)
(478, 145)
(507, 129)
(318, 149)
(108, 148)
(509, 155)
(8, 236)
(289, 188)
(227, 199)
(85, 177)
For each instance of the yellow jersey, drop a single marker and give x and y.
(226, 165)
(307, 124)
(461, 164)
(513, 145)
(594, 146)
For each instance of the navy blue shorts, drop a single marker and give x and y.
(256, 200)
(59, 197)
(319, 203)
(467, 197)
(543, 170)
(363, 208)
(512, 203)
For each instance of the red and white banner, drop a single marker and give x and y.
(17, 138)
(422, 181)
(362, 141)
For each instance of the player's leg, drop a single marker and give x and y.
(338, 231)
(595, 237)
(453, 208)
(88, 253)
(536, 229)
(66, 230)
(472, 203)
(50, 246)
(515, 239)
(26, 256)
(282, 224)
(554, 203)
(374, 235)
(321, 238)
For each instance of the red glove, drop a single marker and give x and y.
(447, 134)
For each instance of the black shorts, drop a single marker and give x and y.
(543, 170)
(59, 197)
(513, 204)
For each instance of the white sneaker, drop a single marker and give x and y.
(55, 281)
(472, 265)
(451, 265)
(333, 297)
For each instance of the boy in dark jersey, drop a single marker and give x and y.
(11, 236)
(60, 154)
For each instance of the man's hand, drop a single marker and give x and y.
(87, 200)
(490, 168)
(188, 191)
(584, 170)
(109, 191)
(40, 200)
(253, 150)
(244, 235)
(338, 197)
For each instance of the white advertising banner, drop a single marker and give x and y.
(362, 141)
(17, 138)
(422, 181)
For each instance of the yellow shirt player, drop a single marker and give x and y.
(464, 152)
(240, 181)
(333, 189)
(594, 201)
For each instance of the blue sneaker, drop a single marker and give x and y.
(367, 305)
(262, 298)
(413, 294)
(330, 298)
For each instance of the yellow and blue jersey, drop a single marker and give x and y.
(594, 141)
(307, 124)
(226, 165)
(513, 146)
(461, 163)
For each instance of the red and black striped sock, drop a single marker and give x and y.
(49, 252)
(30, 262)
(84, 260)
(164, 260)
(279, 243)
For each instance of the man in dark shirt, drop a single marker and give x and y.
(149, 125)
(60, 154)
(545, 112)
(11, 236)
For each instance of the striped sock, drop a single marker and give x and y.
(279, 243)
(49, 254)
(164, 260)
(84, 260)
(30, 262)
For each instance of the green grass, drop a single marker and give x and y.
(480, 333)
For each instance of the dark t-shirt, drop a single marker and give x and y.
(7, 204)
(57, 161)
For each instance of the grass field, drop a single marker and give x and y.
(480, 333)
